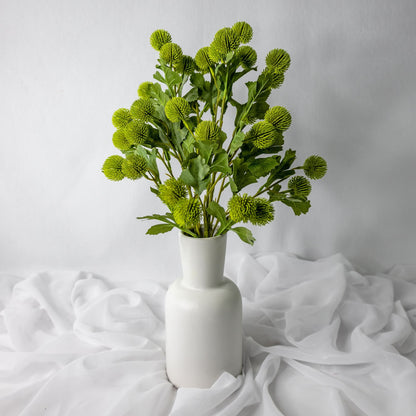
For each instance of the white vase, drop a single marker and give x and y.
(203, 316)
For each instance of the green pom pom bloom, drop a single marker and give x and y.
(278, 59)
(225, 41)
(207, 130)
(263, 212)
(202, 59)
(136, 132)
(159, 38)
(299, 186)
(120, 141)
(187, 212)
(315, 167)
(172, 191)
(279, 117)
(277, 78)
(243, 31)
(263, 135)
(171, 53)
(247, 56)
(121, 117)
(186, 65)
(112, 168)
(241, 207)
(142, 109)
(145, 89)
(177, 109)
(134, 166)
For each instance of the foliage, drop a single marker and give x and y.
(173, 136)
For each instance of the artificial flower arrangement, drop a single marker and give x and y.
(173, 136)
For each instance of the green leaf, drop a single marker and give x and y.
(206, 148)
(153, 163)
(238, 140)
(298, 204)
(245, 234)
(159, 229)
(158, 76)
(262, 166)
(198, 80)
(188, 145)
(217, 211)
(164, 218)
(241, 176)
(172, 77)
(197, 174)
(191, 95)
(157, 93)
(220, 163)
(155, 191)
(282, 170)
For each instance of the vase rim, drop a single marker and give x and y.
(216, 237)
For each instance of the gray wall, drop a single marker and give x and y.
(67, 65)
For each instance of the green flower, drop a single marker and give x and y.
(263, 135)
(142, 109)
(225, 41)
(279, 117)
(177, 109)
(299, 185)
(241, 207)
(202, 59)
(145, 89)
(247, 56)
(243, 31)
(112, 168)
(136, 132)
(263, 212)
(187, 212)
(315, 167)
(121, 117)
(278, 59)
(134, 166)
(186, 65)
(159, 38)
(172, 191)
(171, 53)
(207, 130)
(120, 141)
(277, 77)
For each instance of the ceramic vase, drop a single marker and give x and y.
(203, 312)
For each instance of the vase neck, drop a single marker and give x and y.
(202, 260)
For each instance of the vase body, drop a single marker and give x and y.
(203, 316)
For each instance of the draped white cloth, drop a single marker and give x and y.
(320, 339)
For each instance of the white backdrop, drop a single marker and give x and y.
(67, 65)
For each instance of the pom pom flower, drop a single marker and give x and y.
(159, 38)
(225, 41)
(241, 207)
(144, 90)
(120, 141)
(121, 117)
(243, 31)
(279, 117)
(207, 130)
(202, 59)
(299, 186)
(315, 167)
(136, 132)
(187, 212)
(171, 53)
(134, 166)
(177, 109)
(263, 135)
(247, 56)
(263, 212)
(186, 65)
(142, 109)
(172, 191)
(278, 59)
(112, 168)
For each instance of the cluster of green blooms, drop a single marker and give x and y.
(175, 128)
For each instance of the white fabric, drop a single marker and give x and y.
(320, 339)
